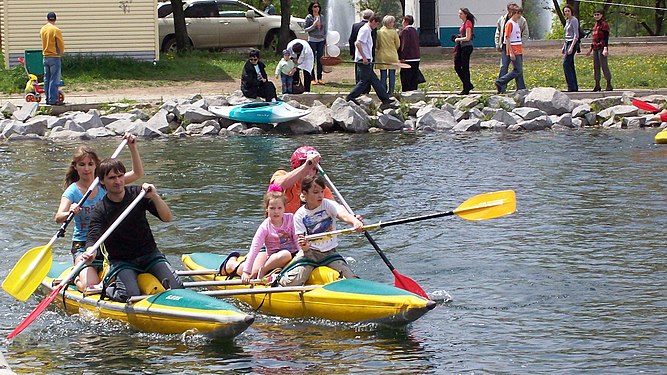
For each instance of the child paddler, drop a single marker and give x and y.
(131, 248)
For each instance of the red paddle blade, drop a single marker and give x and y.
(645, 106)
(406, 283)
(36, 312)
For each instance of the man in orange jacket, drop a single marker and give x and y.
(53, 48)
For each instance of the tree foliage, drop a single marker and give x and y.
(626, 18)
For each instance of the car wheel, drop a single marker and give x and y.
(169, 45)
(271, 40)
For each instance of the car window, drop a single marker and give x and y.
(233, 10)
(164, 10)
(202, 10)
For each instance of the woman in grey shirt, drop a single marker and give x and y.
(317, 32)
(568, 50)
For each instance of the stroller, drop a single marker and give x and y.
(33, 63)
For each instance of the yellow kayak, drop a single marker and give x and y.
(661, 137)
(169, 312)
(325, 296)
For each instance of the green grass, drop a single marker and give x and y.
(106, 72)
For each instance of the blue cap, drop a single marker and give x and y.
(286, 52)
(51, 16)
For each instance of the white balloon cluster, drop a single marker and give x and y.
(333, 37)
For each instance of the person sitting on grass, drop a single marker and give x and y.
(254, 81)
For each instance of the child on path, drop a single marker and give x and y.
(285, 70)
(514, 50)
(318, 215)
(600, 50)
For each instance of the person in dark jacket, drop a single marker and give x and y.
(409, 53)
(254, 81)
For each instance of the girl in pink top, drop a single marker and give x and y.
(276, 233)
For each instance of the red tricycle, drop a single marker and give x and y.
(33, 63)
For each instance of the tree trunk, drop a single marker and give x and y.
(659, 16)
(286, 8)
(180, 30)
(559, 12)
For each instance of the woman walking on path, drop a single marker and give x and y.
(600, 50)
(568, 50)
(387, 51)
(317, 33)
(463, 49)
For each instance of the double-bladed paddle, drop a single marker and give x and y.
(75, 271)
(645, 106)
(34, 265)
(480, 207)
(400, 281)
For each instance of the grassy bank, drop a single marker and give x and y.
(91, 74)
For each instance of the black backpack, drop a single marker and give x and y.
(582, 34)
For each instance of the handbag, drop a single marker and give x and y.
(420, 77)
(297, 83)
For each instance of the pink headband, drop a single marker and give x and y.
(274, 187)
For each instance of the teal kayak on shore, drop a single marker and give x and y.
(259, 112)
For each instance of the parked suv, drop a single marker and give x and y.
(223, 24)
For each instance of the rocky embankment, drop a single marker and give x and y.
(525, 110)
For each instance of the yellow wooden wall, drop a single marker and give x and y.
(99, 27)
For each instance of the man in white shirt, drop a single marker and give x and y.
(363, 58)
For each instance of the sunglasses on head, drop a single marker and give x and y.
(316, 6)
(252, 59)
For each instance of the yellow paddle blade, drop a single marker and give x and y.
(29, 272)
(488, 205)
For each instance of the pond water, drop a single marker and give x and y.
(574, 282)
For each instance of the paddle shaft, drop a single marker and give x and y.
(381, 225)
(93, 185)
(75, 271)
(245, 291)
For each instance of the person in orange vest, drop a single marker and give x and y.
(53, 48)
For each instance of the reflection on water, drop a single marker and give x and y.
(574, 282)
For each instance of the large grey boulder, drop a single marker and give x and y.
(467, 103)
(470, 125)
(349, 116)
(320, 116)
(7, 109)
(413, 96)
(141, 130)
(253, 132)
(504, 102)
(297, 127)
(620, 111)
(606, 102)
(192, 114)
(539, 123)
(159, 121)
(124, 126)
(581, 110)
(389, 123)
(61, 133)
(237, 98)
(27, 111)
(528, 113)
(88, 120)
(73, 126)
(549, 100)
(436, 120)
(112, 117)
(506, 118)
(100, 132)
